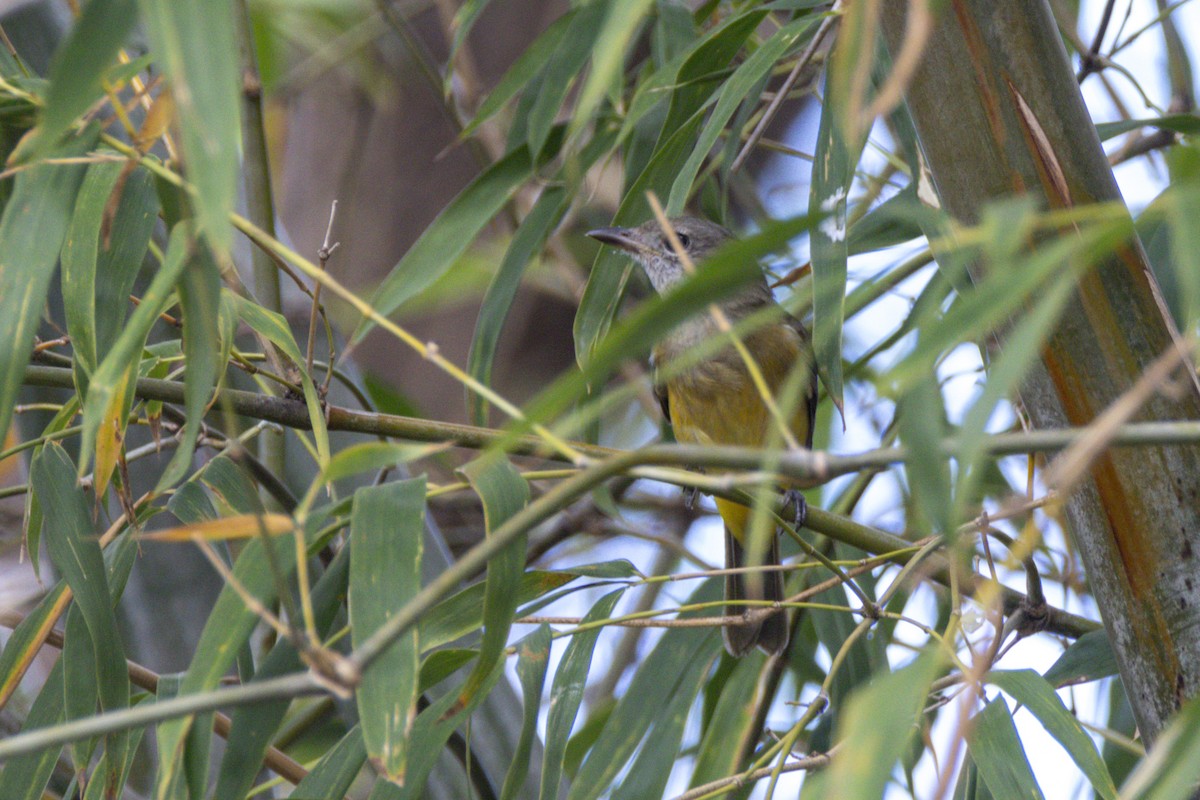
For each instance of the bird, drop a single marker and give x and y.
(716, 401)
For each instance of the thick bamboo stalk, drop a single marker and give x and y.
(998, 112)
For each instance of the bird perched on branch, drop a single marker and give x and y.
(716, 400)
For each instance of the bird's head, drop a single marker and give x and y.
(648, 245)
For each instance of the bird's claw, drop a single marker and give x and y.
(795, 499)
(689, 497)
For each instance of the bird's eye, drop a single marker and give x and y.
(684, 240)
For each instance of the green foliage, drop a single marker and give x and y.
(156, 406)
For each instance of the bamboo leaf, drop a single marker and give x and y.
(533, 656)
(730, 718)
(529, 239)
(108, 389)
(97, 280)
(194, 45)
(25, 777)
(670, 668)
(559, 74)
(32, 229)
(274, 328)
(879, 720)
(566, 694)
(620, 26)
(76, 554)
(1172, 768)
(200, 298)
(462, 613)
(252, 728)
(833, 172)
(1035, 693)
(733, 92)
(433, 728)
(1089, 658)
(450, 234)
(387, 532)
(229, 623)
(529, 64)
(336, 771)
(369, 456)
(503, 492)
(1180, 123)
(652, 768)
(998, 753)
(79, 63)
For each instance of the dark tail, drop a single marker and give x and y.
(771, 633)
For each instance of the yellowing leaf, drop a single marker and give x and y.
(244, 526)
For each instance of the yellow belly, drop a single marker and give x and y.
(716, 402)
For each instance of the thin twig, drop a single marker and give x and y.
(326, 250)
(777, 101)
(1090, 63)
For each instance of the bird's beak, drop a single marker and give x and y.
(621, 238)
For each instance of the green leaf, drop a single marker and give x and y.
(450, 234)
(370, 456)
(531, 62)
(1172, 768)
(1011, 281)
(1035, 693)
(535, 229)
(733, 91)
(274, 328)
(335, 772)
(230, 622)
(190, 777)
(832, 174)
(462, 613)
(728, 722)
(231, 486)
(921, 422)
(533, 657)
(107, 394)
(90, 47)
(387, 533)
(615, 35)
(878, 722)
(652, 768)
(1089, 658)
(617, 568)
(1023, 347)
(200, 298)
(559, 73)
(464, 20)
(894, 221)
(997, 751)
(1182, 204)
(1186, 124)
(80, 677)
(433, 729)
(25, 777)
(97, 280)
(76, 554)
(566, 694)
(252, 728)
(26, 636)
(194, 45)
(670, 668)
(503, 492)
(31, 234)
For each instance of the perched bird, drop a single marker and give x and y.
(715, 401)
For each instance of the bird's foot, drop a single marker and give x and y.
(795, 499)
(689, 497)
